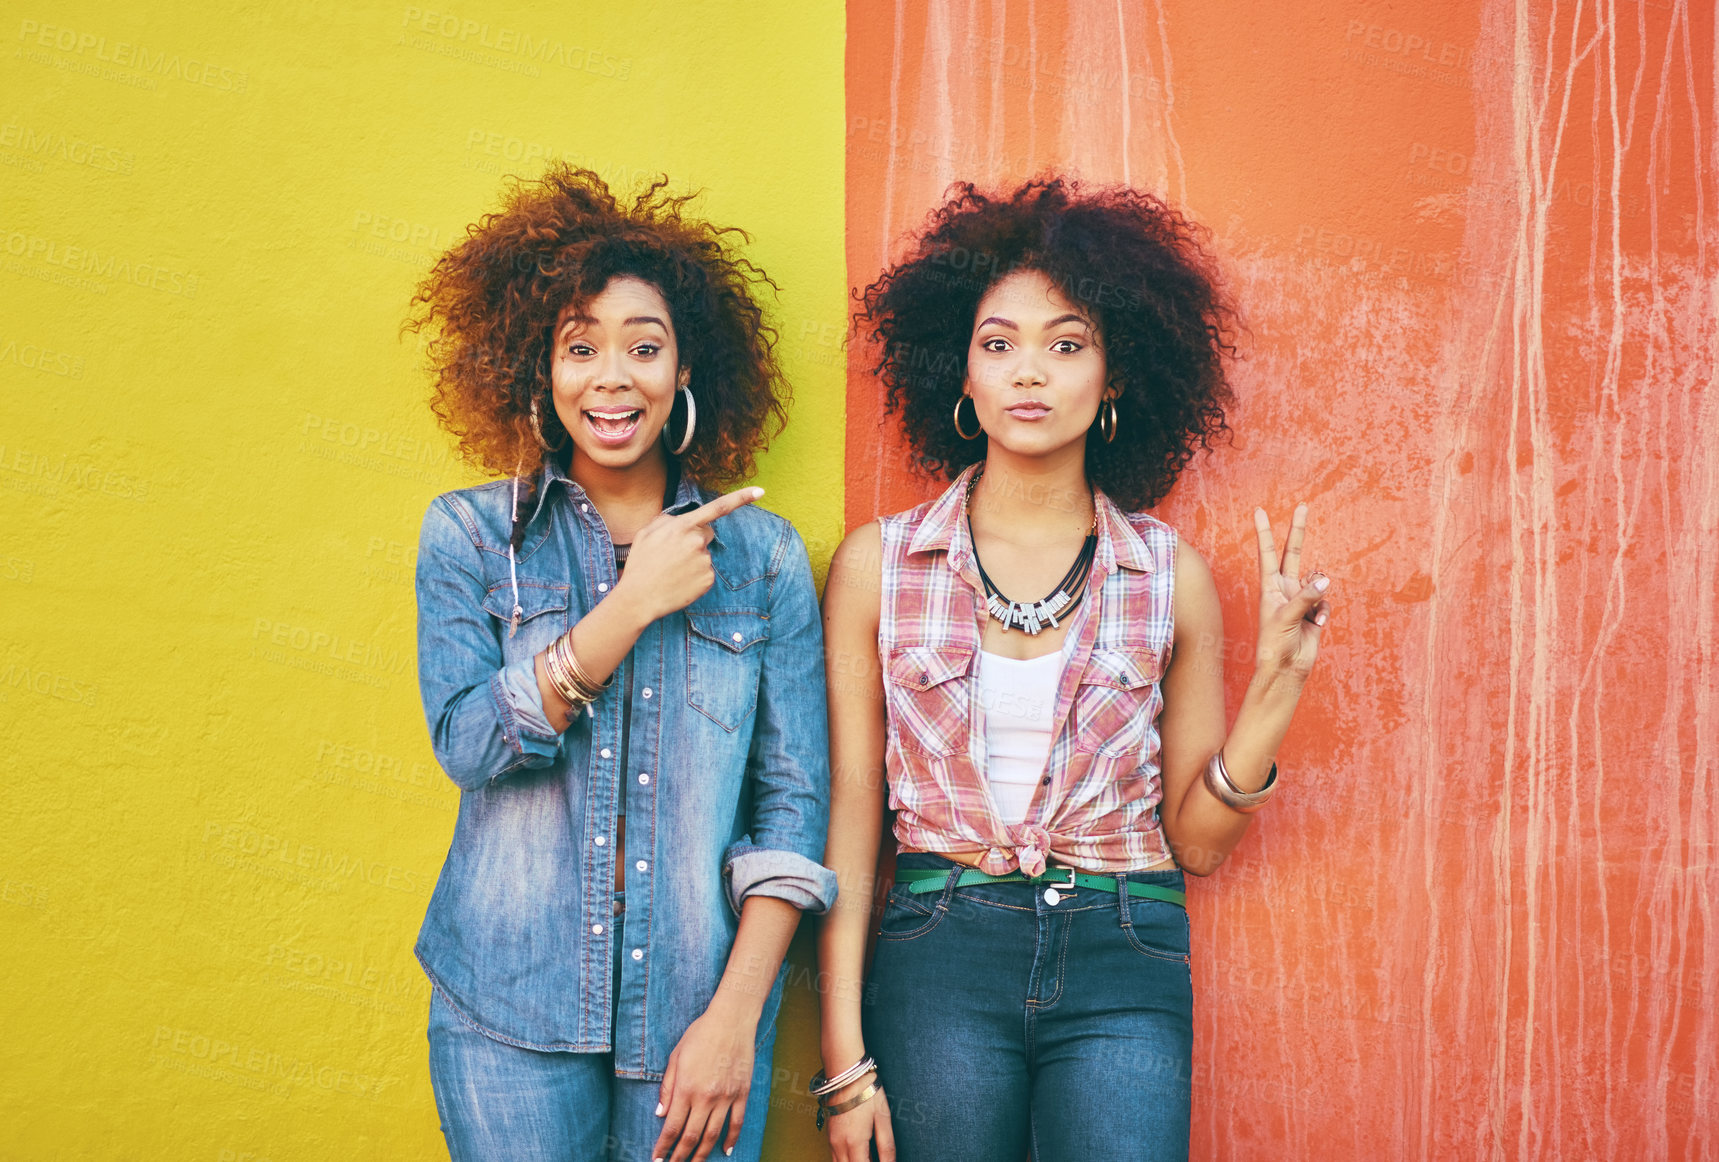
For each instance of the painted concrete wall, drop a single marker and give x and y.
(221, 817)
(1475, 243)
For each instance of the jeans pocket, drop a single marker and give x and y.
(907, 916)
(1157, 929)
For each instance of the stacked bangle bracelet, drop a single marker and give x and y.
(822, 1087)
(1218, 782)
(870, 1092)
(568, 677)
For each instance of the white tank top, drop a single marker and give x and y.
(1019, 700)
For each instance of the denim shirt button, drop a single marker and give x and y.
(596, 929)
(604, 752)
(599, 841)
(646, 692)
(602, 587)
(638, 954)
(644, 779)
(642, 865)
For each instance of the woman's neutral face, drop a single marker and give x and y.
(615, 373)
(1035, 369)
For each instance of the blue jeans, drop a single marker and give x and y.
(502, 1103)
(1003, 1023)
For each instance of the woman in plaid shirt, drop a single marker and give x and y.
(1047, 706)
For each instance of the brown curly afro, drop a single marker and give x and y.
(490, 304)
(1137, 267)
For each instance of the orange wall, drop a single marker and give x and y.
(1475, 244)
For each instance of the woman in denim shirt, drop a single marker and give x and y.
(623, 673)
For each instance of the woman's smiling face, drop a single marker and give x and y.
(615, 373)
(1035, 369)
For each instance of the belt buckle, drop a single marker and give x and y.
(1053, 897)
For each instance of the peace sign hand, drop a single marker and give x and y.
(669, 565)
(1292, 614)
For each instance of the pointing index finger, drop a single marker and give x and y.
(723, 505)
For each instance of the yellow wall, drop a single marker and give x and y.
(222, 819)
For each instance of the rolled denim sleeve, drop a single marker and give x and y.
(485, 717)
(750, 870)
(516, 685)
(789, 763)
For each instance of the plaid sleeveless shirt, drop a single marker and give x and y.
(1096, 806)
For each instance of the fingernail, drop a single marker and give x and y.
(1320, 620)
(1321, 582)
(659, 1114)
(757, 492)
(728, 1150)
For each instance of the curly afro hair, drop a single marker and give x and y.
(490, 304)
(1137, 267)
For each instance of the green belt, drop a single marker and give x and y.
(919, 881)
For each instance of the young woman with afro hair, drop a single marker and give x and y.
(622, 671)
(1047, 709)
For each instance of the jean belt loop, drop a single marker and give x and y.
(949, 884)
(1122, 900)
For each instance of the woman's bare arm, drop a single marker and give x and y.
(1203, 831)
(852, 602)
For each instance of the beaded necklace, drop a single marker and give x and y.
(1033, 616)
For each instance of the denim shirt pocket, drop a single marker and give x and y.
(724, 653)
(929, 702)
(1115, 702)
(537, 599)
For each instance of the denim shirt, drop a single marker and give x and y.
(726, 784)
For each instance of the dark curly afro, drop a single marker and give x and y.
(490, 304)
(1137, 267)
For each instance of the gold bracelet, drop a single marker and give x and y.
(561, 677)
(579, 671)
(557, 677)
(1223, 788)
(572, 697)
(871, 1091)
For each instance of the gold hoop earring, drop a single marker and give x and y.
(958, 430)
(1107, 429)
(537, 428)
(691, 423)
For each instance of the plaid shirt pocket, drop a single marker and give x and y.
(1116, 700)
(928, 697)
